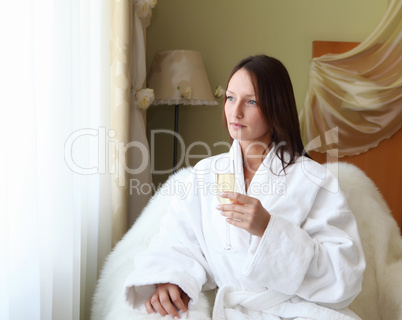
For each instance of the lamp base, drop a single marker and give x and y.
(176, 128)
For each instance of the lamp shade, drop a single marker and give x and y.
(179, 77)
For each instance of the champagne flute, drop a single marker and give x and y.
(226, 183)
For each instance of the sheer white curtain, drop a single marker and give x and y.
(55, 189)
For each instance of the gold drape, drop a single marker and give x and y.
(140, 179)
(357, 93)
(120, 69)
(129, 147)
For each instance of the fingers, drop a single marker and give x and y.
(168, 299)
(246, 213)
(177, 299)
(186, 300)
(233, 213)
(236, 210)
(154, 305)
(255, 225)
(238, 198)
(168, 306)
(149, 308)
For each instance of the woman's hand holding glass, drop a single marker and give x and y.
(245, 212)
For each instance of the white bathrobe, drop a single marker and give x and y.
(308, 264)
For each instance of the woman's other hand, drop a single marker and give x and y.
(245, 212)
(168, 299)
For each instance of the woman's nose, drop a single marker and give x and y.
(238, 110)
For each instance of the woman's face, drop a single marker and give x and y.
(243, 116)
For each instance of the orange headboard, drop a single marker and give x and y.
(382, 164)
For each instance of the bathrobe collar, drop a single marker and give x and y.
(270, 163)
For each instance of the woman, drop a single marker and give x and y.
(296, 251)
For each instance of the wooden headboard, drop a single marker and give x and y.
(382, 164)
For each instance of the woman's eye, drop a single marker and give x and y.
(253, 102)
(229, 98)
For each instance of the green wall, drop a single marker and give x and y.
(225, 31)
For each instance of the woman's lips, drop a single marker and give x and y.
(237, 126)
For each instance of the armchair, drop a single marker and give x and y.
(380, 298)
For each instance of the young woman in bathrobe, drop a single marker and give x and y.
(295, 249)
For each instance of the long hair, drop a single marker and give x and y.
(276, 101)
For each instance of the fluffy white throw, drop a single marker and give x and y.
(381, 296)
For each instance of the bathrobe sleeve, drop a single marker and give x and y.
(175, 254)
(317, 256)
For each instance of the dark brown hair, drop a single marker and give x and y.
(276, 101)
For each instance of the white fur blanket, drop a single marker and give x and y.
(380, 299)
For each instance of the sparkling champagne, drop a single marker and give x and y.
(226, 183)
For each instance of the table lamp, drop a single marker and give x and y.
(179, 77)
